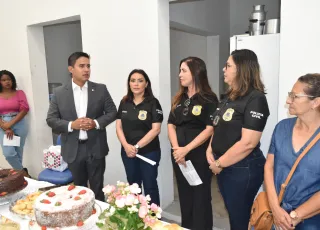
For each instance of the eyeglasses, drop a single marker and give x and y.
(293, 96)
(186, 104)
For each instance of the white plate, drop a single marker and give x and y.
(24, 194)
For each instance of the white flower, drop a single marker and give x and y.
(134, 208)
(112, 210)
(134, 188)
(158, 215)
(109, 189)
(129, 200)
(120, 184)
(120, 202)
(136, 201)
(148, 197)
(108, 214)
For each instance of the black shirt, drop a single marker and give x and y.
(250, 112)
(137, 121)
(190, 120)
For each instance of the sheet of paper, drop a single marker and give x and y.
(190, 174)
(146, 159)
(14, 142)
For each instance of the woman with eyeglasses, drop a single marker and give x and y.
(300, 208)
(234, 153)
(189, 129)
(13, 108)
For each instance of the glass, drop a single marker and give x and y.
(293, 96)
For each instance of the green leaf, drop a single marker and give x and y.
(113, 219)
(100, 225)
(122, 212)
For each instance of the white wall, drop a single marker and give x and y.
(118, 40)
(60, 41)
(183, 45)
(240, 12)
(299, 52)
(223, 18)
(207, 18)
(190, 14)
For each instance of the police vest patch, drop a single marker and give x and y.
(196, 110)
(227, 116)
(142, 115)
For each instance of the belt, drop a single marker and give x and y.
(82, 141)
(9, 115)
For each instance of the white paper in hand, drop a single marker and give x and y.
(146, 159)
(190, 174)
(14, 142)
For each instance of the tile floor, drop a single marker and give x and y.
(220, 215)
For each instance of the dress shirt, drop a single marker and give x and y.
(80, 95)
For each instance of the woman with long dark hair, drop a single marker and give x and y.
(138, 125)
(234, 154)
(189, 129)
(13, 108)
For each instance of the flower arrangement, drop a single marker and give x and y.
(127, 209)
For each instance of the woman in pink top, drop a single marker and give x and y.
(13, 108)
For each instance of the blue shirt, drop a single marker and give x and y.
(305, 181)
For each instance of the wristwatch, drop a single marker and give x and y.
(294, 215)
(218, 164)
(137, 146)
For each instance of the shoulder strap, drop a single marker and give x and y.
(305, 151)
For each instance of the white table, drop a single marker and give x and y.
(33, 186)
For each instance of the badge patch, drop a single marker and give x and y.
(142, 115)
(227, 116)
(196, 110)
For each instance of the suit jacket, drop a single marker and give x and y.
(62, 110)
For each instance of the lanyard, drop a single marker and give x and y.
(218, 116)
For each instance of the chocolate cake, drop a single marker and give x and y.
(64, 206)
(11, 181)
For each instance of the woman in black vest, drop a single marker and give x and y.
(189, 129)
(138, 125)
(234, 153)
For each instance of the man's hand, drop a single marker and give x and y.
(78, 124)
(89, 124)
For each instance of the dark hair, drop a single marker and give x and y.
(148, 90)
(312, 80)
(75, 56)
(12, 77)
(199, 74)
(248, 73)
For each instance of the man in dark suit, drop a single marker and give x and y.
(80, 112)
